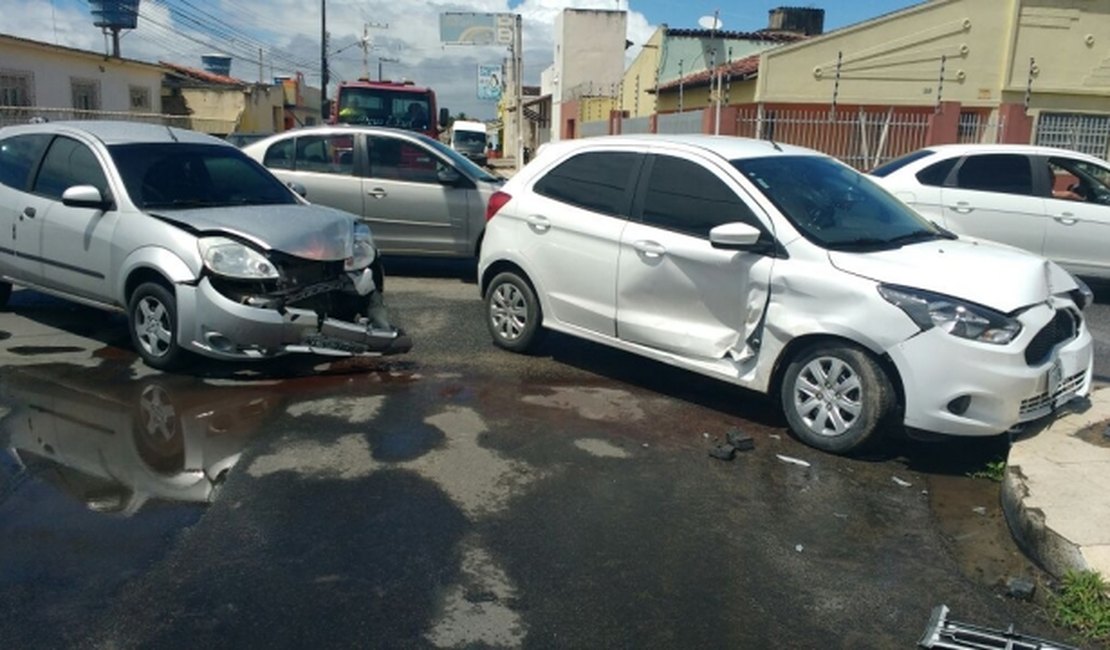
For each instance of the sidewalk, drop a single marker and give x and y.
(1056, 492)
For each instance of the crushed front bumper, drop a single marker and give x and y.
(211, 324)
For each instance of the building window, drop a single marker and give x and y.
(15, 88)
(86, 94)
(140, 98)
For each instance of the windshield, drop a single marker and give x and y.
(834, 206)
(471, 141)
(461, 162)
(384, 107)
(178, 175)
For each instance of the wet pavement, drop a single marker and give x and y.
(461, 496)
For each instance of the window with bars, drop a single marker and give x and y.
(86, 94)
(140, 98)
(15, 88)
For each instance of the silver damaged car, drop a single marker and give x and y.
(205, 250)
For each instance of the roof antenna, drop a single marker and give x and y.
(775, 145)
(172, 134)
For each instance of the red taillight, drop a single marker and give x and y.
(496, 202)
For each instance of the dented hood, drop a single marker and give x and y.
(992, 275)
(311, 232)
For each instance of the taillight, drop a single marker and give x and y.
(496, 202)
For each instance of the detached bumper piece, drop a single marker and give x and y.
(340, 338)
(943, 632)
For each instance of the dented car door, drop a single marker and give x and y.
(675, 291)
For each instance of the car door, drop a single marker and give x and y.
(1078, 203)
(416, 202)
(19, 229)
(76, 242)
(991, 197)
(571, 225)
(675, 291)
(324, 164)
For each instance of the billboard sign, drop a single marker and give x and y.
(489, 82)
(460, 28)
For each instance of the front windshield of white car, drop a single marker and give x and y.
(834, 206)
(168, 175)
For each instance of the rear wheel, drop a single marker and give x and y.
(513, 313)
(836, 397)
(152, 316)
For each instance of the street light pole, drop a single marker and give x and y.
(324, 113)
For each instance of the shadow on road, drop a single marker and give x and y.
(430, 267)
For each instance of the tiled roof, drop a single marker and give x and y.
(740, 69)
(203, 75)
(773, 36)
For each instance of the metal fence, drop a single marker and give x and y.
(977, 128)
(1089, 134)
(595, 128)
(679, 123)
(10, 115)
(863, 138)
(636, 125)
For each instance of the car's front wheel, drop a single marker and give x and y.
(152, 315)
(513, 312)
(836, 397)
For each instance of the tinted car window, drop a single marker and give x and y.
(684, 196)
(937, 173)
(898, 163)
(18, 155)
(280, 154)
(835, 206)
(597, 181)
(68, 163)
(1006, 173)
(399, 160)
(329, 154)
(179, 175)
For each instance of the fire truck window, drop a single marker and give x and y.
(399, 160)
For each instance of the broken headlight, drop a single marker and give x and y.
(954, 316)
(364, 251)
(233, 259)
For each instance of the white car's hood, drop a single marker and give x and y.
(999, 277)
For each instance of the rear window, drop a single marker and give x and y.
(889, 168)
(598, 180)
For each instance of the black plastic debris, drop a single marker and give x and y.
(1020, 588)
(740, 440)
(723, 452)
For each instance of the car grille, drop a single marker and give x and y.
(1063, 327)
(1032, 405)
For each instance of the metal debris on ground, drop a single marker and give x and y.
(722, 452)
(980, 510)
(740, 440)
(792, 460)
(954, 635)
(901, 482)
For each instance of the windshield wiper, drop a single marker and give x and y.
(894, 242)
(181, 203)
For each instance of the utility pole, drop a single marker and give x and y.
(367, 45)
(518, 88)
(324, 112)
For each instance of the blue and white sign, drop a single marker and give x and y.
(489, 82)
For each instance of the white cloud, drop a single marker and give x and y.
(292, 29)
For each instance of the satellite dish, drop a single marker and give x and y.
(710, 22)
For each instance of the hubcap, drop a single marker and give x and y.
(508, 312)
(828, 396)
(152, 326)
(159, 417)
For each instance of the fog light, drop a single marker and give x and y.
(219, 342)
(959, 405)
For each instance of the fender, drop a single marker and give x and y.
(159, 259)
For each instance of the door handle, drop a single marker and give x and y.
(963, 207)
(649, 249)
(377, 193)
(538, 222)
(1066, 218)
(29, 212)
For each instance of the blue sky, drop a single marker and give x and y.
(406, 36)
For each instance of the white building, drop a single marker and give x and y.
(589, 57)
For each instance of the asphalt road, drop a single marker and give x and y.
(461, 496)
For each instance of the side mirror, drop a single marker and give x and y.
(738, 236)
(444, 117)
(298, 188)
(85, 196)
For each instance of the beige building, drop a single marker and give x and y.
(62, 82)
(589, 63)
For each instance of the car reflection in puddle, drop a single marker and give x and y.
(115, 446)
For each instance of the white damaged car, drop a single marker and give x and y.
(783, 271)
(203, 249)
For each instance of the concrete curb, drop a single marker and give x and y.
(1056, 491)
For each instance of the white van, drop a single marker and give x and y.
(470, 138)
(784, 271)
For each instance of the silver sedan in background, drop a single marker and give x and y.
(419, 196)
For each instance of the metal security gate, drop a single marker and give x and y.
(1089, 134)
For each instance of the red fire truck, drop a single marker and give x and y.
(399, 104)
